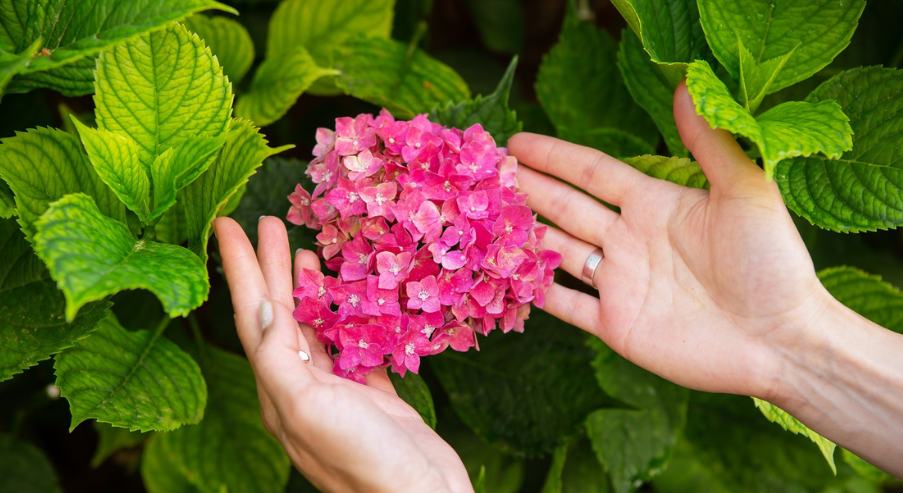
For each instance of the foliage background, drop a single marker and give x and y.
(725, 444)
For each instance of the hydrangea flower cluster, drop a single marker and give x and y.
(431, 241)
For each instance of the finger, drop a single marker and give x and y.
(278, 364)
(275, 259)
(572, 306)
(305, 259)
(598, 173)
(245, 280)
(720, 157)
(574, 211)
(573, 252)
(379, 379)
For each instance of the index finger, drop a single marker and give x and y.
(596, 172)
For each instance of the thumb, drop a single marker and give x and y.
(722, 160)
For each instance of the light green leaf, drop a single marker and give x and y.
(228, 40)
(634, 445)
(42, 165)
(865, 469)
(277, 84)
(516, 383)
(73, 32)
(756, 77)
(7, 201)
(650, 89)
(73, 79)
(575, 469)
(866, 295)
(611, 141)
(579, 86)
(91, 256)
(386, 73)
(817, 29)
(501, 24)
(177, 167)
(24, 468)
(791, 424)
(862, 190)
(115, 159)
(162, 89)
(12, 64)
(159, 473)
(492, 111)
(135, 380)
(413, 390)
(788, 130)
(204, 199)
(111, 440)
(680, 170)
(229, 449)
(32, 327)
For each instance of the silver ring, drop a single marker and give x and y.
(592, 263)
(304, 357)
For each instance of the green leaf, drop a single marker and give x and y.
(32, 327)
(866, 295)
(413, 390)
(91, 256)
(500, 472)
(817, 29)
(680, 170)
(788, 130)
(7, 201)
(115, 159)
(634, 445)
(791, 424)
(161, 90)
(611, 141)
(158, 471)
(177, 167)
(73, 32)
(650, 89)
(539, 381)
(861, 190)
(203, 200)
(501, 24)
(12, 64)
(865, 469)
(585, 57)
(111, 440)
(492, 111)
(73, 79)
(24, 468)
(575, 469)
(757, 77)
(386, 73)
(277, 84)
(228, 40)
(229, 449)
(42, 165)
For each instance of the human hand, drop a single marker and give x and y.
(343, 436)
(705, 288)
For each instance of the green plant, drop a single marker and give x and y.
(104, 223)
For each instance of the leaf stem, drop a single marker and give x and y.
(196, 332)
(420, 31)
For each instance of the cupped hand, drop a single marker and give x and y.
(707, 288)
(343, 436)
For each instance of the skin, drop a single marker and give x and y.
(713, 290)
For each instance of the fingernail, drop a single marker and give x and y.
(298, 251)
(265, 313)
(304, 356)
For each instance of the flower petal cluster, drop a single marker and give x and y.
(431, 241)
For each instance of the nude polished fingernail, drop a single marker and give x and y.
(265, 313)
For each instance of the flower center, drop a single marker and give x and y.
(473, 167)
(427, 330)
(380, 302)
(354, 300)
(318, 322)
(409, 349)
(379, 198)
(423, 295)
(352, 197)
(391, 140)
(361, 344)
(395, 269)
(417, 145)
(321, 292)
(509, 228)
(362, 259)
(447, 186)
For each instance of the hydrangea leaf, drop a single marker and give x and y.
(793, 425)
(229, 449)
(159, 473)
(73, 79)
(817, 29)
(92, 256)
(575, 469)
(278, 83)
(500, 472)
(861, 190)
(73, 32)
(7, 201)
(491, 111)
(12, 64)
(651, 89)
(794, 128)
(634, 444)
(42, 165)
(515, 383)
(162, 89)
(386, 73)
(413, 390)
(115, 159)
(866, 295)
(670, 33)
(177, 167)
(228, 40)
(111, 440)
(865, 469)
(136, 380)
(586, 57)
(611, 141)
(756, 77)
(32, 324)
(24, 468)
(501, 23)
(680, 170)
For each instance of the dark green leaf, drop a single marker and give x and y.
(12, 64)
(413, 390)
(24, 468)
(111, 440)
(7, 201)
(575, 469)
(159, 472)
(500, 473)
(611, 141)
(501, 23)
(866, 295)
(228, 40)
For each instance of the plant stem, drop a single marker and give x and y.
(196, 332)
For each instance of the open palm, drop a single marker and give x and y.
(687, 285)
(342, 435)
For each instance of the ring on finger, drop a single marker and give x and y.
(590, 266)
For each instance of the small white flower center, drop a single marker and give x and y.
(380, 302)
(352, 197)
(509, 228)
(361, 344)
(423, 295)
(473, 209)
(354, 300)
(318, 322)
(380, 199)
(398, 330)
(473, 167)
(451, 332)
(391, 140)
(427, 330)
(395, 269)
(417, 145)
(321, 292)
(409, 349)
(305, 202)
(447, 186)
(362, 259)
